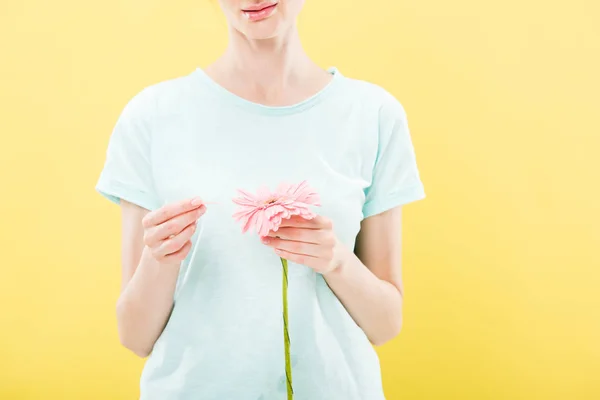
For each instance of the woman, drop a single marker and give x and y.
(262, 114)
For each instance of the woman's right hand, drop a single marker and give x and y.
(169, 229)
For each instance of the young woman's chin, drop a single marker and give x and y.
(265, 29)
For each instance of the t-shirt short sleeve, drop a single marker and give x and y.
(127, 172)
(395, 179)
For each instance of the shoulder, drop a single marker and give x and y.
(385, 113)
(374, 97)
(159, 98)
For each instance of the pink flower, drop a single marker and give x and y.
(264, 211)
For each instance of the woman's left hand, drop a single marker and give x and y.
(308, 242)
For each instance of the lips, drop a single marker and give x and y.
(260, 11)
(259, 7)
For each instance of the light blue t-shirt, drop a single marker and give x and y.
(190, 137)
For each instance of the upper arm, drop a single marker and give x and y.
(379, 247)
(395, 182)
(126, 178)
(127, 173)
(132, 239)
(395, 179)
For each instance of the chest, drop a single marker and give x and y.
(213, 153)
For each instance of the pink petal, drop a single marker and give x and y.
(264, 227)
(263, 194)
(274, 209)
(282, 189)
(243, 212)
(275, 222)
(248, 196)
(242, 201)
(251, 221)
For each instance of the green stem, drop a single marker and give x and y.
(286, 335)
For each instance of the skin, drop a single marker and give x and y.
(153, 246)
(264, 63)
(367, 281)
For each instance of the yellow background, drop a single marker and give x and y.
(501, 261)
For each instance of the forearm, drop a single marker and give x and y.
(145, 304)
(374, 304)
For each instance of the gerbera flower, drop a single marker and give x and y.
(265, 210)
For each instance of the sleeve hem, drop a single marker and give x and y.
(393, 200)
(116, 192)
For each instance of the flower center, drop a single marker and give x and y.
(272, 200)
(268, 203)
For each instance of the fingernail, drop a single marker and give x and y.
(196, 202)
(266, 240)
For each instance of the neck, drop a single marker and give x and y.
(268, 64)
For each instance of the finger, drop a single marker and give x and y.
(301, 259)
(177, 224)
(178, 256)
(309, 249)
(323, 222)
(172, 227)
(299, 222)
(314, 236)
(169, 211)
(175, 243)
